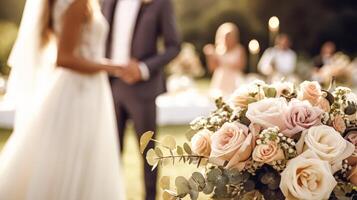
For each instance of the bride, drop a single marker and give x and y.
(64, 144)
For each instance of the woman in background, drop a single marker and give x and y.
(226, 59)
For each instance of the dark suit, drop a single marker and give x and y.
(137, 102)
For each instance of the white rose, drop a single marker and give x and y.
(268, 112)
(306, 177)
(327, 143)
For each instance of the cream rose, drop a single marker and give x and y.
(243, 96)
(299, 116)
(201, 143)
(327, 143)
(268, 112)
(267, 153)
(232, 143)
(307, 177)
(310, 91)
(324, 104)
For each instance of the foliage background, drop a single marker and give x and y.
(308, 22)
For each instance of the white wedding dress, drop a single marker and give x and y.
(68, 148)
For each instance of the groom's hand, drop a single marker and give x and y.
(132, 73)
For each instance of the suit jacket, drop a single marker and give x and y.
(155, 19)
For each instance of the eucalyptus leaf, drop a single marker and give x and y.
(187, 148)
(151, 157)
(169, 142)
(144, 140)
(212, 175)
(179, 151)
(194, 195)
(182, 186)
(199, 178)
(158, 152)
(208, 189)
(165, 182)
(193, 184)
(222, 181)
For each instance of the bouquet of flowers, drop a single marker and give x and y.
(270, 142)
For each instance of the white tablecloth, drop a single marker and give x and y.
(172, 109)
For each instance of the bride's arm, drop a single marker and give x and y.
(73, 20)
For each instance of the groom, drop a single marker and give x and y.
(135, 28)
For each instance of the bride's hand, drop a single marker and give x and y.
(117, 71)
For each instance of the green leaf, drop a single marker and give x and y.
(158, 152)
(194, 195)
(144, 140)
(193, 184)
(169, 142)
(182, 186)
(165, 182)
(212, 175)
(208, 189)
(199, 178)
(151, 157)
(187, 148)
(179, 151)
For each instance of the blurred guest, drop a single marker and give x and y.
(279, 59)
(226, 59)
(328, 49)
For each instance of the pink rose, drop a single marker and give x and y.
(201, 143)
(299, 116)
(267, 153)
(232, 143)
(268, 112)
(310, 91)
(339, 124)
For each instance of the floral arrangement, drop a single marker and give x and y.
(269, 142)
